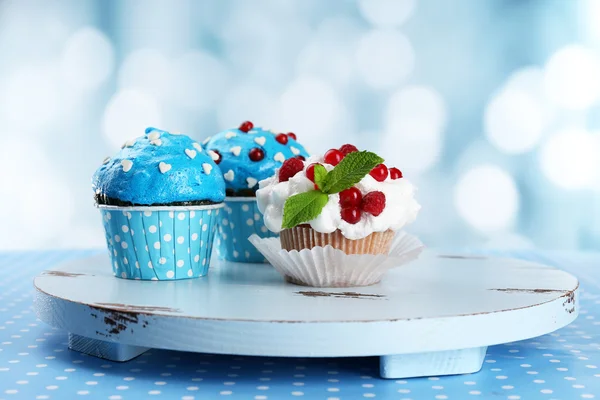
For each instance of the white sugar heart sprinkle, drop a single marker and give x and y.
(294, 150)
(236, 150)
(251, 182)
(128, 143)
(191, 153)
(260, 140)
(206, 140)
(229, 175)
(156, 142)
(207, 168)
(126, 164)
(154, 135)
(213, 155)
(164, 167)
(106, 160)
(197, 147)
(279, 157)
(230, 135)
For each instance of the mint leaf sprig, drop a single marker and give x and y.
(306, 206)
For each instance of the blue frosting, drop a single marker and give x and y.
(143, 183)
(245, 172)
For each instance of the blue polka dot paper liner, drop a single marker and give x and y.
(167, 243)
(239, 220)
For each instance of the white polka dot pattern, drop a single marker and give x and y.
(236, 224)
(169, 247)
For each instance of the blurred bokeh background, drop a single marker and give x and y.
(490, 107)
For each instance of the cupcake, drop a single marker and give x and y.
(247, 155)
(345, 208)
(159, 197)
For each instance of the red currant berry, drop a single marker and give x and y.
(218, 157)
(379, 173)
(350, 197)
(395, 173)
(348, 148)
(290, 167)
(351, 214)
(333, 157)
(282, 138)
(256, 154)
(246, 126)
(310, 172)
(301, 158)
(373, 203)
(292, 135)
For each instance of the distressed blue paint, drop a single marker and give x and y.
(207, 376)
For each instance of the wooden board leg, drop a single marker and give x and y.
(452, 362)
(107, 350)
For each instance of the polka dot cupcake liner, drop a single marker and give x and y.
(160, 243)
(239, 220)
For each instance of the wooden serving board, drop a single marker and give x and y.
(435, 316)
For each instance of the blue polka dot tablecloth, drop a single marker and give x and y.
(35, 362)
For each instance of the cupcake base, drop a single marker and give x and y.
(304, 237)
(160, 243)
(329, 267)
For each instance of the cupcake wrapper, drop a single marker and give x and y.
(304, 237)
(165, 243)
(240, 219)
(329, 267)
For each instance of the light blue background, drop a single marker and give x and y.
(490, 107)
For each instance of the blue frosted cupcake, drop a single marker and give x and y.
(160, 197)
(246, 156)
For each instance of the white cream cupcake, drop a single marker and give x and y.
(346, 198)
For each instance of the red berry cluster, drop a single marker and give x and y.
(334, 156)
(353, 204)
(352, 201)
(379, 173)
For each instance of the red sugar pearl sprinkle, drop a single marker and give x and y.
(282, 138)
(256, 154)
(246, 126)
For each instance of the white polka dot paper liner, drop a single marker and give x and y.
(164, 243)
(239, 220)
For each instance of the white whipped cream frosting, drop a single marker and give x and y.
(401, 208)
